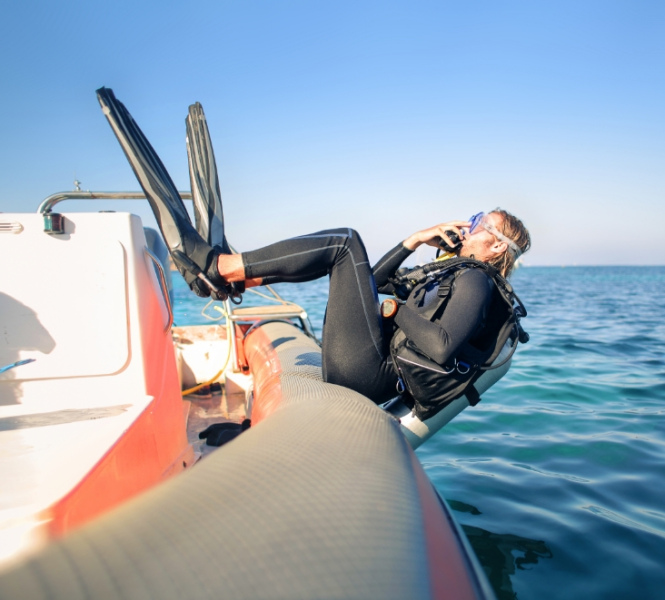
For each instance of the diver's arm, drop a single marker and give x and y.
(386, 267)
(390, 262)
(464, 314)
(432, 235)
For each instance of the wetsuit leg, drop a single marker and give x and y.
(354, 350)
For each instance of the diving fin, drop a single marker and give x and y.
(206, 195)
(179, 234)
(207, 198)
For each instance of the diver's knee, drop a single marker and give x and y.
(355, 241)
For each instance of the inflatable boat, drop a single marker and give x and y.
(108, 491)
(140, 459)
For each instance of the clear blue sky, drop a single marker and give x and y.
(385, 116)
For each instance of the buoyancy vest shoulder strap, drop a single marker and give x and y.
(446, 272)
(445, 288)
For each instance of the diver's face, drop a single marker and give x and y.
(481, 244)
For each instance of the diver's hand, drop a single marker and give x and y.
(433, 235)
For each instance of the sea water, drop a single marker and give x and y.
(557, 476)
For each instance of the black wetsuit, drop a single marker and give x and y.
(356, 351)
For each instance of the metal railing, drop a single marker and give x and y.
(47, 205)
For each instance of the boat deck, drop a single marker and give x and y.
(202, 350)
(212, 407)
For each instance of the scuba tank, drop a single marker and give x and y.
(417, 431)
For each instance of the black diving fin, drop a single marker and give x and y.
(179, 234)
(208, 212)
(206, 195)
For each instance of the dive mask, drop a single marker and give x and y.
(480, 220)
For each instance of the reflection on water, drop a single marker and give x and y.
(500, 554)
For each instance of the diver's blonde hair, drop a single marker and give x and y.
(514, 229)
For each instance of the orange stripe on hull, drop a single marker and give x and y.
(266, 369)
(449, 569)
(152, 449)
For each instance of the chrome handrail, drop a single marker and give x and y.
(47, 205)
(163, 286)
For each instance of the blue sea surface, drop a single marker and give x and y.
(557, 475)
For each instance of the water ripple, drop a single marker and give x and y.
(551, 474)
(621, 520)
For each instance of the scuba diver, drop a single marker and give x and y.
(444, 328)
(449, 320)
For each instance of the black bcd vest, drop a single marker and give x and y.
(424, 383)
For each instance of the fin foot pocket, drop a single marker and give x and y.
(207, 281)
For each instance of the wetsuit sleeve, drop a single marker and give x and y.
(463, 315)
(386, 267)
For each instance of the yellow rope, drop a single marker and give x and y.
(196, 388)
(228, 334)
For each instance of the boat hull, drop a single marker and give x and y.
(321, 498)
